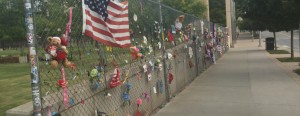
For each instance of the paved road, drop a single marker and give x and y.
(245, 82)
(284, 39)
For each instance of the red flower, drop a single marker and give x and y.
(61, 83)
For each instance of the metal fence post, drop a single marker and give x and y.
(35, 83)
(167, 86)
(195, 49)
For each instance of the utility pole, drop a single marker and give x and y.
(206, 2)
(228, 21)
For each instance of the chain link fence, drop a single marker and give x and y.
(90, 87)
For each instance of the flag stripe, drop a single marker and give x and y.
(110, 21)
(101, 24)
(112, 9)
(96, 29)
(118, 7)
(112, 14)
(124, 45)
(114, 30)
(119, 37)
(116, 25)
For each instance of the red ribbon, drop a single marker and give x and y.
(69, 24)
(49, 111)
(170, 36)
(64, 86)
(186, 39)
(170, 78)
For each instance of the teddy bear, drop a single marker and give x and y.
(178, 22)
(135, 53)
(58, 51)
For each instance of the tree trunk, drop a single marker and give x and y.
(292, 44)
(275, 43)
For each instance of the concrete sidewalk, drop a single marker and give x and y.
(245, 82)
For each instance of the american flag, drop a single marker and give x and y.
(106, 21)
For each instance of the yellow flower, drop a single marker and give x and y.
(109, 48)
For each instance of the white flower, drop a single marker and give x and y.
(145, 39)
(190, 52)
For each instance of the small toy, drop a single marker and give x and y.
(58, 52)
(135, 52)
(178, 22)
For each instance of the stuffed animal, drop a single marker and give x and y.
(135, 53)
(58, 51)
(178, 22)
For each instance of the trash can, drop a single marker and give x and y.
(270, 43)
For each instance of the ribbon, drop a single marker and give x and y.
(147, 97)
(69, 24)
(138, 113)
(126, 76)
(185, 38)
(170, 78)
(161, 86)
(49, 111)
(64, 87)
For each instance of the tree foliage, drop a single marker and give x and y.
(274, 15)
(51, 16)
(12, 20)
(217, 11)
(195, 7)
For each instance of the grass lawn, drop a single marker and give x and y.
(278, 52)
(14, 86)
(297, 71)
(288, 59)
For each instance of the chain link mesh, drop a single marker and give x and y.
(88, 84)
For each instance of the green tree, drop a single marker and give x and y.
(217, 11)
(275, 15)
(195, 7)
(12, 20)
(52, 16)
